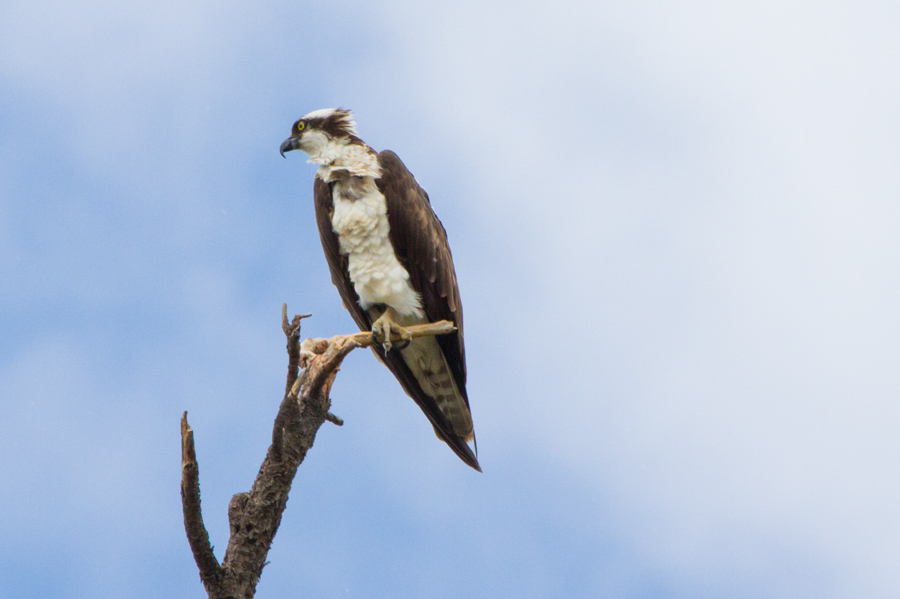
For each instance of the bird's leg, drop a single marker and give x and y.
(385, 327)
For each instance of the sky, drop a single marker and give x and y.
(676, 228)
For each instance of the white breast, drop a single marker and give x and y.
(360, 221)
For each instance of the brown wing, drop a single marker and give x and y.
(420, 241)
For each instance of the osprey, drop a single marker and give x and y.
(390, 260)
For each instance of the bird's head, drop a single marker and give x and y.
(320, 132)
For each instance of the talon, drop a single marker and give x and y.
(388, 333)
(381, 333)
(405, 344)
(386, 327)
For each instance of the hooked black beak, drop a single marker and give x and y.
(291, 143)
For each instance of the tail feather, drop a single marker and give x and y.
(461, 448)
(428, 365)
(424, 373)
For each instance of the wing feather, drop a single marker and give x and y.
(420, 241)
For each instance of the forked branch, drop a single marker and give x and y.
(255, 516)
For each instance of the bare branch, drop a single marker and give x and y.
(441, 327)
(292, 332)
(365, 338)
(254, 517)
(198, 538)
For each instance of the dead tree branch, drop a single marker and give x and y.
(255, 516)
(190, 502)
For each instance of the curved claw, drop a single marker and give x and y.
(381, 334)
(384, 329)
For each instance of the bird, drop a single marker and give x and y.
(390, 260)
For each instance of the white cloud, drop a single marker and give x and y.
(700, 201)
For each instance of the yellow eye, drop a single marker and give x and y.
(301, 125)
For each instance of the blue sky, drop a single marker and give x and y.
(677, 234)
